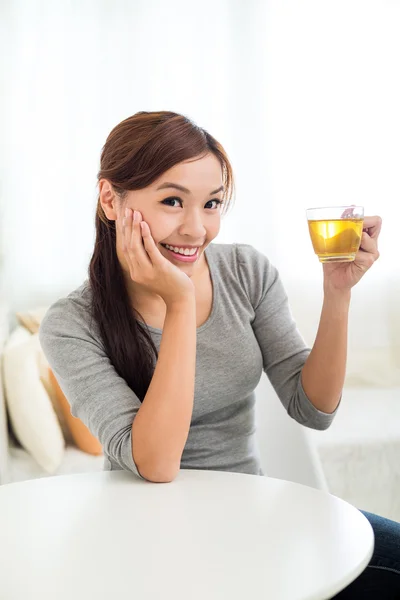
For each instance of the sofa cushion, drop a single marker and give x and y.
(33, 419)
(81, 435)
(31, 319)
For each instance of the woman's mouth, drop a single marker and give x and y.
(179, 256)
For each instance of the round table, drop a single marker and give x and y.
(207, 535)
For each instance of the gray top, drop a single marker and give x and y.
(250, 328)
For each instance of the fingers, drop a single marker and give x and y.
(364, 260)
(348, 212)
(149, 243)
(368, 252)
(133, 239)
(143, 247)
(368, 244)
(372, 226)
(119, 227)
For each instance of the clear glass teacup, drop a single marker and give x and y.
(335, 232)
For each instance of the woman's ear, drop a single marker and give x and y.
(108, 199)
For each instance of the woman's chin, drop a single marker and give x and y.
(188, 268)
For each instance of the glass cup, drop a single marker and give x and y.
(335, 232)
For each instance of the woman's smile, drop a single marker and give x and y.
(188, 254)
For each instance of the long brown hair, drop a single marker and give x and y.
(138, 151)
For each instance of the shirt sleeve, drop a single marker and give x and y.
(283, 349)
(98, 396)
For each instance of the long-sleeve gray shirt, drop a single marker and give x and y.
(250, 328)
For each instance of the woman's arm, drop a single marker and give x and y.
(284, 351)
(324, 370)
(105, 403)
(161, 426)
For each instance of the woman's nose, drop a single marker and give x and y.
(193, 227)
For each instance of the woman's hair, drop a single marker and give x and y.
(138, 151)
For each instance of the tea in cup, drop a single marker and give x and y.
(336, 232)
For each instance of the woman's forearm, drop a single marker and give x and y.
(325, 369)
(161, 426)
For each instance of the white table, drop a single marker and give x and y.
(207, 535)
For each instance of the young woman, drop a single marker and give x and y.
(160, 350)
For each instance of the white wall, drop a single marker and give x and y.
(303, 95)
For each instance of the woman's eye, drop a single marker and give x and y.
(167, 200)
(219, 202)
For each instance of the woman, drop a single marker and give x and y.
(160, 351)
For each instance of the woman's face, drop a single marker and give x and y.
(182, 209)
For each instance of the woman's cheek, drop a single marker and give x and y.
(214, 230)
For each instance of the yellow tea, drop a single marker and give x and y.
(336, 240)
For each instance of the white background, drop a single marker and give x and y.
(304, 96)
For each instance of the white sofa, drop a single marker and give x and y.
(15, 463)
(360, 452)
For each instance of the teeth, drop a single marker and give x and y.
(184, 251)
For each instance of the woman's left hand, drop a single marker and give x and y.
(343, 276)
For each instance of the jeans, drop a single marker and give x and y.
(381, 579)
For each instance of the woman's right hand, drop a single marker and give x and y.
(148, 267)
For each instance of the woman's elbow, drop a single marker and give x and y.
(156, 473)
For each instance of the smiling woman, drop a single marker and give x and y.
(181, 225)
(143, 157)
(160, 352)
